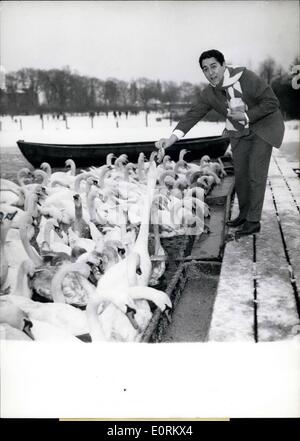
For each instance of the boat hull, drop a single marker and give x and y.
(95, 154)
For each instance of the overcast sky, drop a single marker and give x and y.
(154, 39)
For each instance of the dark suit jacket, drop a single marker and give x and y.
(265, 117)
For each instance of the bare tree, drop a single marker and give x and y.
(268, 70)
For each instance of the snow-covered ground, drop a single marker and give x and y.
(292, 131)
(104, 129)
(133, 128)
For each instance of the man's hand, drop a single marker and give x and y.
(237, 115)
(166, 142)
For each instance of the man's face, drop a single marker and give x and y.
(213, 70)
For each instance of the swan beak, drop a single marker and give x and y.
(10, 216)
(27, 328)
(58, 231)
(206, 229)
(168, 315)
(130, 315)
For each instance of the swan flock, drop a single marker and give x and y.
(75, 244)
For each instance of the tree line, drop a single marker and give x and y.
(31, 91)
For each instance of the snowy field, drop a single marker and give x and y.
(79, 130)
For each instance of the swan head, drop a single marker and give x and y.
(70, 164)
(109, 256)
(10, 216)
(77, 199)
(41, 193)
(121, 160)
(117, 246)
(182, 153)
(153, 156)
(45, 166)
(205, 160)
(15, 317)
(92, 180)
(94, 260)
(163, 176)
(76, 252)
(26, 172)
(109, 158)
(141, 157)
(202, 182)
(52, 222)
(169, 182)
(159, 298)
(167, 158)
(37, 174)
(130, 166)
(25, 175)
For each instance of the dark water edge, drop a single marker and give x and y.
(12, 160)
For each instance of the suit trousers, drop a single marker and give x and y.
(251, 159)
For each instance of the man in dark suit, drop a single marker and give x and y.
(254, 125)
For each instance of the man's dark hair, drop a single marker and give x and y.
(212, 53)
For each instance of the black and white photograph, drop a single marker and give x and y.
(149, 212)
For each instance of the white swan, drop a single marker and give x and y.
(51, 234)
(66, 179)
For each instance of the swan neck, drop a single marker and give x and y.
(73, 168)
(47, 229)
(21, 288)
(56, 284)
(102, 174)
(48, 169)
(78, 211)
(157, 243)
(141, 169)
(32, 253)
(95, 328)
(90, 203)
(77, 182)
(32, 205)
(21, 178)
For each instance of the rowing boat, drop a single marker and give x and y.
(86, 155)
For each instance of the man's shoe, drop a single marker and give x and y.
(236, 222)
(249, 228)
